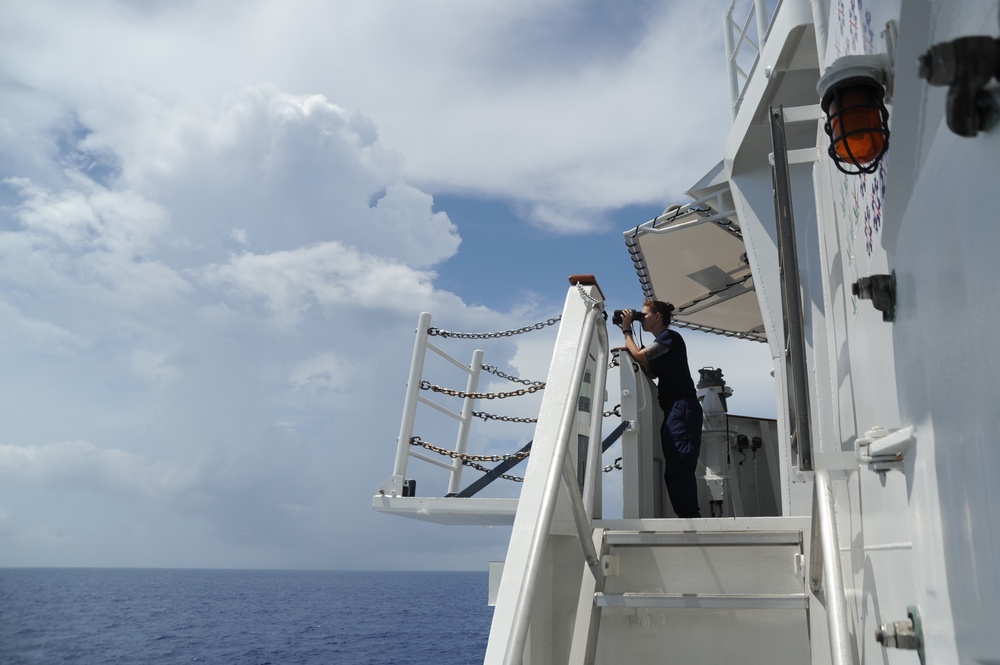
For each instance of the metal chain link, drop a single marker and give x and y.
(493, 335)
(587, 298)
(426, 385)
(617, 411)
(472, 460)
(492, 369)
(533, 386)
(480, 467)
(417, 441)
(506, 419)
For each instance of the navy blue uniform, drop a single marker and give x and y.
(680, 434)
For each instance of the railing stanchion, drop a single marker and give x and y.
(412, 395)
(461, 443)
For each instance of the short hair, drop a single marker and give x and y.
(664, 309)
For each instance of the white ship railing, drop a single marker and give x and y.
(403, 448)
(825, 575)
(738, 37)
(581, 348)
(561, 472)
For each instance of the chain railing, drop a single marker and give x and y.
(426, 385)
(396, 484)
(494, 335)
(472, 460)
(456, 458)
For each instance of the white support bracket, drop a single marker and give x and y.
(883, 450)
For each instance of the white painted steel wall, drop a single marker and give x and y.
(928, 535)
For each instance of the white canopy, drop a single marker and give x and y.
(694, 257)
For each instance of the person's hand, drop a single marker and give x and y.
(627, 316)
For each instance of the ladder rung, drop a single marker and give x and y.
(791, 601)
(703, 537)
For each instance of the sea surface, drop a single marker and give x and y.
(241, 617)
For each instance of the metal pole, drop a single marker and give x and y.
(760, 10)
(582, 522)
(465, 423)
(734, 81)
(825, 549)
(522, 612)
(412, 392)
(791, 294)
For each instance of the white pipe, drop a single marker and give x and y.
(465, 421)
(734, 81)
(760, 9)
(829, 579)
(583, 529)
(412, 392)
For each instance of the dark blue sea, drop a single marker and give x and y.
(241, 617)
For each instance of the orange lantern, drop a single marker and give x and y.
(857, 120)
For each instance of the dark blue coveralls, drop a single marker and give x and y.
(680, 434)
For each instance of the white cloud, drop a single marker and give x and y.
(564, 106)
(326, 372)
(83, 466)
(89, 242)
(324, 276)
(217, 229)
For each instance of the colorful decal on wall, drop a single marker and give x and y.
(872, 191)
(854, 25)
(858, 205)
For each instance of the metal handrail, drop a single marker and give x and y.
(735, 40)
(560, 471)
(824, 566)
(413, 398)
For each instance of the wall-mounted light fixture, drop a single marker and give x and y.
(853, 98)
(966, 65)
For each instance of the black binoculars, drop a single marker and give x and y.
(616, 316)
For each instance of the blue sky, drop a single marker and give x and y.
(220, 220)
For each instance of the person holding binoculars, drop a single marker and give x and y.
(680, 434)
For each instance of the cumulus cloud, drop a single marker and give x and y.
(87, 238)
(218, 228)
(326, 276)
(191, 294)
(285, 171)
(564, 106)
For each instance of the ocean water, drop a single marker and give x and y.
(241, 617)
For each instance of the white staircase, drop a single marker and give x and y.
(700, 591)
(579, 589)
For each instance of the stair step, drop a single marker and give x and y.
(651, 600)
(667, 538)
